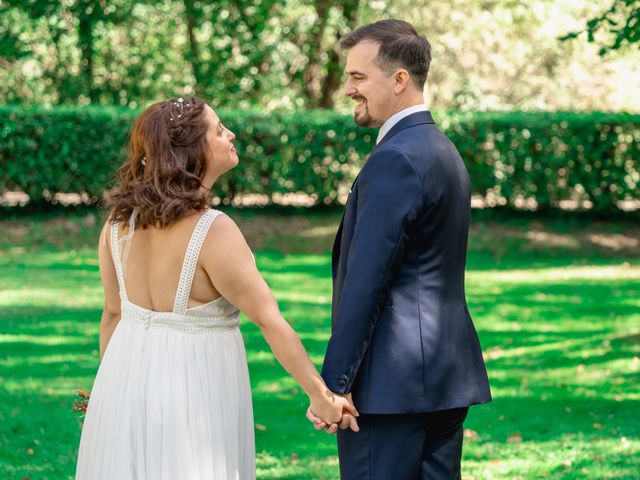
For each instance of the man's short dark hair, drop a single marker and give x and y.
(400, 47)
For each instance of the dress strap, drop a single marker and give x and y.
(191, 260)
(120, 259)
(115, 254)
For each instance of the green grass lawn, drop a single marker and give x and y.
(556, 304)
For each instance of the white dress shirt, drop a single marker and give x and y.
(396, 117)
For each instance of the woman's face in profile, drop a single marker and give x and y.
(220, 141)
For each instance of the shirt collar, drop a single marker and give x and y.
(396, 117)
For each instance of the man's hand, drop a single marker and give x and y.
(348, 420)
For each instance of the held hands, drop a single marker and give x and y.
(333, 412)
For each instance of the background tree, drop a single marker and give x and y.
(87, 16)
(505, 55)
(620, 23)
(284, 54)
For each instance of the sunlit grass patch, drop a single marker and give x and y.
(560, 331)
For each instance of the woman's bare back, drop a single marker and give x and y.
(154, 262)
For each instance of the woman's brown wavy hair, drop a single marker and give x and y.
(166, 162)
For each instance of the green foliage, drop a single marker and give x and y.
(487, 55)
(314, 152)
(68, 149)
(249, 52)
(542, 158)
(620, 22)
(79, 149)
(550, 157)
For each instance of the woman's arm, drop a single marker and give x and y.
(228, 261)
(111, 309)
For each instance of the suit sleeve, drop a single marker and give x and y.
(389, 194)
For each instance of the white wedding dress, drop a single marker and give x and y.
(171, 399)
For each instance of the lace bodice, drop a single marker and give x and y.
(219, 314)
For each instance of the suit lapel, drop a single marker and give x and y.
(335, 255)
(417, 118)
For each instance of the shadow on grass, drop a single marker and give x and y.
(559, 354)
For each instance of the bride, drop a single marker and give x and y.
(171, 399)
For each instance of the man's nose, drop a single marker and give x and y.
(349, 89)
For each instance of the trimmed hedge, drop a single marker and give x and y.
(550, 157)
(544, 157)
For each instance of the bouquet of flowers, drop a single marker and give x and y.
(81, 402)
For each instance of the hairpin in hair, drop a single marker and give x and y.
(181, 105)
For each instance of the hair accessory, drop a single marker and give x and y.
(143, 161)
(181, 105)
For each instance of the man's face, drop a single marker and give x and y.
(368, 86)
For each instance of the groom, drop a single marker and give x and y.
(403, 345)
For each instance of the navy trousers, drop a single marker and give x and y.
(415, 446)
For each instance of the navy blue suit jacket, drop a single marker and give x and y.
(402, 338)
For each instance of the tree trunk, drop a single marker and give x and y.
(85, 34)
(194, 53)
(57, 64)
(331, 82)
(311, 78)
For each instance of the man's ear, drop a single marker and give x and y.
(402, 79)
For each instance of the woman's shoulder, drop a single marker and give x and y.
(215, 213)
(221, 222)
(224, 234)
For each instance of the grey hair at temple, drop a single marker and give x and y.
(400, 47)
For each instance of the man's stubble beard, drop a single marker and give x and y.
(367, 120)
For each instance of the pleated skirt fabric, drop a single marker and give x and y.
(169, 405)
